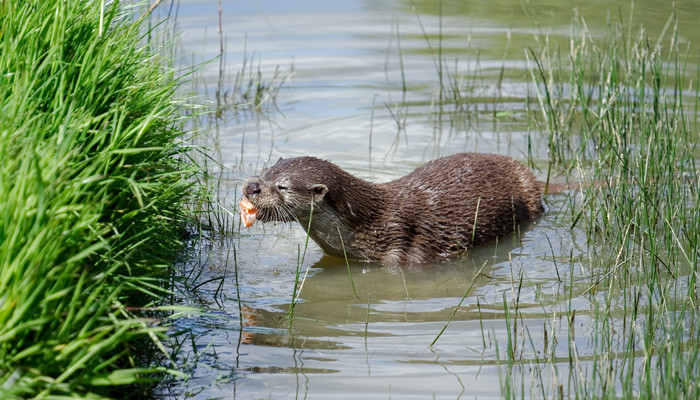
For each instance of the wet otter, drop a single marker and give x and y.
(437, 211)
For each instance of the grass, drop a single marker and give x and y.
(93, 180)
(623, 110)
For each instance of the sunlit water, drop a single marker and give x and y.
(360, 86)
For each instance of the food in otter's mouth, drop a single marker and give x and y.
(440, 210)
(248, 212)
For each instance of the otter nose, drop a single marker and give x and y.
(252, 188)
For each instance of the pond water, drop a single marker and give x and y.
(361, 83)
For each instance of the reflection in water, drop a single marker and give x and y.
(368, 330)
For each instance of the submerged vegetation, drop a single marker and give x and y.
(93, 180)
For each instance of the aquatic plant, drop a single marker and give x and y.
(623, 109)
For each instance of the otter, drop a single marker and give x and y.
(438, 211)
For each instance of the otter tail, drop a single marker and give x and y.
(559, 187)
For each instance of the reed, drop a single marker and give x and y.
(622, 110)
(93, 182)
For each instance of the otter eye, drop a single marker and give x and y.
(281, 188)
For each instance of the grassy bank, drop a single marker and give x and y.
(92, 184)
(623, 110)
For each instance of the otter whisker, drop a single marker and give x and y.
(286, 213)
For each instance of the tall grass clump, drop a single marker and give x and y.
(623, 108)
(93, 177)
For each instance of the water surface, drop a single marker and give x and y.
(360, 83)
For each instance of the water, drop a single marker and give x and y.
(360, 85)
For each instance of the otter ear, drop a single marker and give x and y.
(319, 191)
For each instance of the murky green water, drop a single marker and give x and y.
(361, 86)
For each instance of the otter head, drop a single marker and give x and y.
(285, 192)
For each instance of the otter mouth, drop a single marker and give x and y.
(251, 212)
(273, 215)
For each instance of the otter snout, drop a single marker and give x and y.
(251, 187)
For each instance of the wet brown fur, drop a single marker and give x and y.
(422, 217)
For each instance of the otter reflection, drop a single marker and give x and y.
(334, 303)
